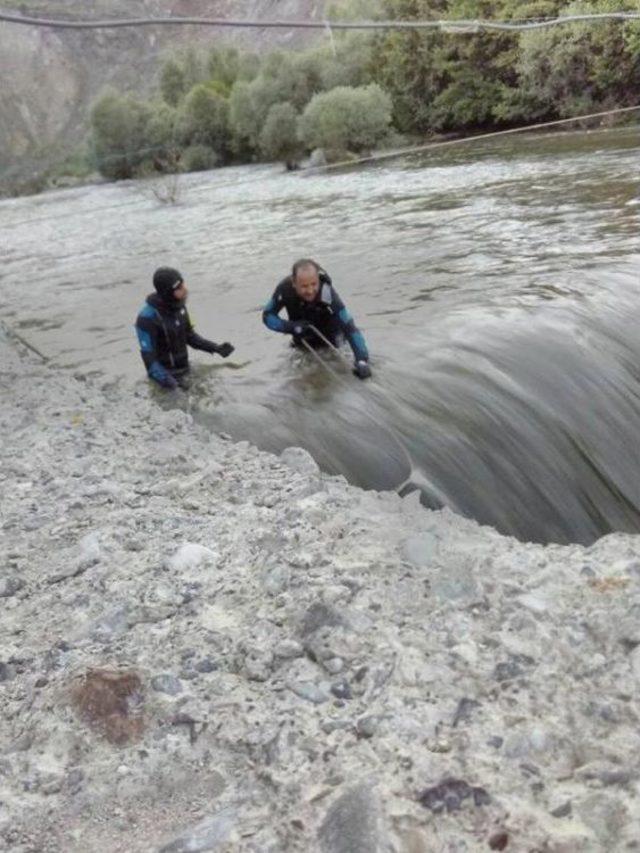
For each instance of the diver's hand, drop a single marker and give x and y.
(300, 327)
(224, 350)
(362, 370)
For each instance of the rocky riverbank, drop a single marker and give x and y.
(205, 647)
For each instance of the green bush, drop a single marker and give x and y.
(198, 158)
(204, 119)
(347, 119)
(279, 138)
(580, 67)
(162, 136)
(119, 135)
(249, 104)
(173, 85)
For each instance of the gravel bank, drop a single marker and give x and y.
(205, 647)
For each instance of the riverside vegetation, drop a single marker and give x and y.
(363, 91)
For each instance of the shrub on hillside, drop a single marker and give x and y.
(279, 138)
(119, 135)
(204, 119)
(199, 158)
(347, 119)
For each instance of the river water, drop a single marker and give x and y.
(497, 284)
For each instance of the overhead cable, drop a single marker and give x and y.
(461, 26)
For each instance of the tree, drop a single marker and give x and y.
(279, 138)
(173, 84)
(118, 134)
(579, 67)
(204, 119)
(199, 158)
(249, 104)
(347, 119)
(162, 137)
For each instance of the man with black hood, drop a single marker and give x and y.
(164, 330)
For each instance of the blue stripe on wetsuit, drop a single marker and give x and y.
(155, 370)
(271, 319)
(355, 337)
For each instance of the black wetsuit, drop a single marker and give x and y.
(164, 331)
(327, 312)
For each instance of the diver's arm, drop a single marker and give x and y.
(147, 332)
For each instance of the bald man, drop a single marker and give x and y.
(310, 301)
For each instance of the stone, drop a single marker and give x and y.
(277, 580)
(333, 665)
(367, 727)
(451, 794)
(499, 840)
(212, 833)
(563, 809)
(319, 615)
(341, 689)
(288, 649)
(422, 550)
(300, 460)
(9, 586)
(191, 556)
(166, 683)
(353, 823)
(7, 672)
(333, 725)
(605, 814)
(309, 691)
(464, 711)
(206, 665)
(512, 668)
(112, 703)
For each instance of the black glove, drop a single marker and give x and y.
(362, 370)
(300, 327)
(224, 350)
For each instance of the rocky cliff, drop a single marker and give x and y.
(50, 77)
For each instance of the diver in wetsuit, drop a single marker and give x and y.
(164, 331)
(311, 302)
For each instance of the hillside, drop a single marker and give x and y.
(55, 74)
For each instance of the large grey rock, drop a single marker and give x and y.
(213, 833)
(354, 823)
(300, 460)
(421, 550)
